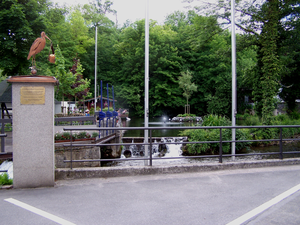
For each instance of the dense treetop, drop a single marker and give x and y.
(197, 41)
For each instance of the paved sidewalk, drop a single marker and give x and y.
(216, 197)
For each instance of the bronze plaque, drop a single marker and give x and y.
(32, 95)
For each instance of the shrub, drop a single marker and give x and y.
(294, 115)
(215, 120)
(92, 111)
(252, 121)
(186, 115)
(8, 127)
(285, 120)
(95, 134)
(214, 135)
(4, 180)
(82, 135)
(66, 135)
(58, 136)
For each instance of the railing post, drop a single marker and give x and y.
(150, 147)
(281, 151)
(220, 149)
(2, 138)
(71, 144)
(107, 125)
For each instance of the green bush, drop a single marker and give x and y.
(95, 134)
(294, 115)
(214, 135)
(4, 180)
(242, 116)
(92, 111)
(8, 127)
(58, 136)
(186, 115)
(252, 120)
(215, 120)
(104, 109)
(285, 120)
(82, 135)
(241, 134)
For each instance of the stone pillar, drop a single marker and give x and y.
(33, 131)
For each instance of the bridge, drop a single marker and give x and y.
(267, 195)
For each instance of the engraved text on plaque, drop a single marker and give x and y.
(32, 95)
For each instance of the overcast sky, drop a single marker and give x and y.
(135, 9)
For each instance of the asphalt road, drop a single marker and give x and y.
(218, 197)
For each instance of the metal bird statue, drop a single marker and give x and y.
(37, 46)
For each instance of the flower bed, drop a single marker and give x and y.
(82, 136)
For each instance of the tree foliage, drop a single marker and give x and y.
(21, 22)
(185, 83)
(197, 41)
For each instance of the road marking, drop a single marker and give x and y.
(38, 211)
(264, 206)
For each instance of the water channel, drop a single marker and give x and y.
(174, 150)
(154, 122)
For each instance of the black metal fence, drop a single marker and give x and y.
(220, 141)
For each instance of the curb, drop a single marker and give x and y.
(105, 172)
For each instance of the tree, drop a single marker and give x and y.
(65, 79)
(289, 53)
(185, 82)
(164, 68)
(95, 14)
(266, 84)
(21, 22)
(79, 33)
(208, 57)
(80, 89)
(269, 21)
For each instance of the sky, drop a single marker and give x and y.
(135, 9)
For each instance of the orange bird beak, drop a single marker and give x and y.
(48, 38)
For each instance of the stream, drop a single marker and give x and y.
(174, 150)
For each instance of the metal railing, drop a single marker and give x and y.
(220, 141)
(3, 154)
(75, 120)
(3, 135)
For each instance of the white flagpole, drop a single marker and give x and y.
(146, 114)
(96, 33)
(233, 52)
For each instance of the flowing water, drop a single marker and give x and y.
(154, 122)
(174, 150)
(160, 150)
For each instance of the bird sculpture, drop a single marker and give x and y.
(37, 46)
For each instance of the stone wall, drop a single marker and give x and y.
(85, 152)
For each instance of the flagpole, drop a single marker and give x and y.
(146, 113)
(233, 53)
(96, 67)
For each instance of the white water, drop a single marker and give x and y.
(172, 150)
(7, 165)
